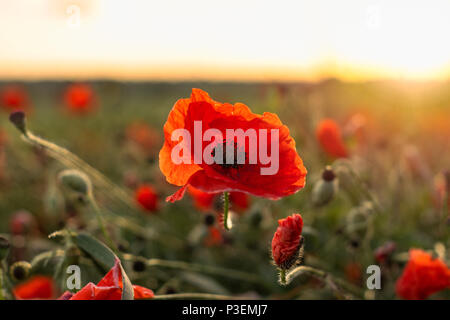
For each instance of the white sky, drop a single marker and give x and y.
(225, 39)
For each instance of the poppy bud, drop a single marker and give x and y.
(4, 248)
(358, 219)
(20, 270)
(287, 241)
(76, 181)
(324, 189)
(18, 119)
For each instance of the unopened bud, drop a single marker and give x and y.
(4, 248)
(18, 119)
(76, 181)
(20, 270)
(324, 189)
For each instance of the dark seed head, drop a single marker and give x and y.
(18, 119)
(139, 265)
(328, 174)
(20, 270)
(210, 219)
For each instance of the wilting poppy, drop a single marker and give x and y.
(286, 242)
(330, 138)
(201, 164)
(147, 198)
(205, 201)
(13, 98)
(109, 288)
(422, 276)
(37, 287)
(79, 98)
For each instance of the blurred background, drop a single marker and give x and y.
(99, 78)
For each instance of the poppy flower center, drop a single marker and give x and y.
(229, 155)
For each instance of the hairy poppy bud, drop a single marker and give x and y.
(20, 270)
(358, 220)
(18, 119)
(76, 181)
(287, 241)
(4, 248)
(324, 189)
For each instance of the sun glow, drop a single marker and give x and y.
(233, 40)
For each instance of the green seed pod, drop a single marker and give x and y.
(76, 181)
(324, 189)
(4, 248)
(20, 270)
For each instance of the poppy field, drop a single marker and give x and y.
(93, 205)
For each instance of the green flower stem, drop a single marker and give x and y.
(226, 206)
(101, 223)
(283, 277)
(334, 283)
(200, 296)
(201, 268)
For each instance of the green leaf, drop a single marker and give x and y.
(106, 258)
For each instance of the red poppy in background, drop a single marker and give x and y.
(330, 138)
(214, 237)
(147, 198)
(37, 287)
(205, 201)
(13, 98)
(422, 276)
(143, 135)
(237, 177)
(109, 288)
(286, 242)
(79, 98)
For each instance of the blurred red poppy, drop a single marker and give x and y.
(79, 98)
(13, 97)
(422, 276)
(37, 287)
(109, 288)
(224, 177)
(205, 201)
(142, 135)
(214, 237)
(147, 198)
(329, 136)
(286, 242)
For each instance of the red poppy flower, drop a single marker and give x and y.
(147, 198)
(422, 276)
(37, 287)
(286, 242)
(214, 237)
(215, 177)
(13, 98)
(109, 288)
(205, 201)
(79, 98)
(329, 135)
(353, 272)
(142, 135)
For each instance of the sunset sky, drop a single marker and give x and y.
(224, 40)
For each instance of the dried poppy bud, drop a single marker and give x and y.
(287, 241)
(324, 189)
(18, 119)
(20, 270)
(4, 248)
(76, 181)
